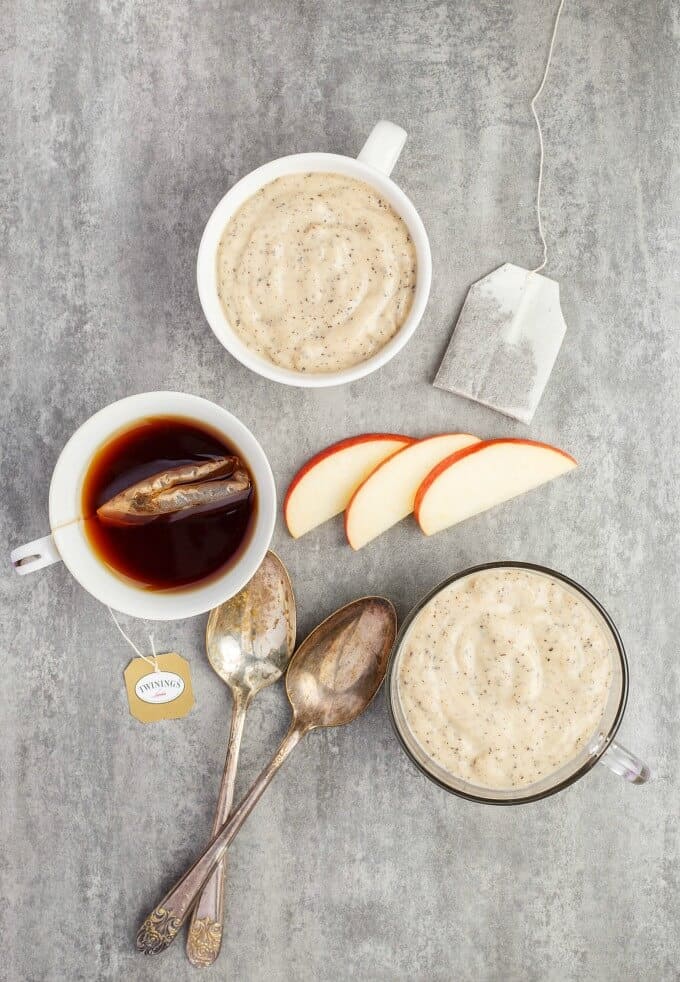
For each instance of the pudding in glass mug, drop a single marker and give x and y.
(508, 683)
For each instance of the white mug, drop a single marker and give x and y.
(68, 541)
(373, 165)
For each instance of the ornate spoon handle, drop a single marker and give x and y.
(204, 939)
(161, 926)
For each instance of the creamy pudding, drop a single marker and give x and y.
(504, 676)
(316, 272)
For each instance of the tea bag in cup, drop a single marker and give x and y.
(505, 342)
(188, 488)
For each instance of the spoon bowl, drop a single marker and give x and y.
(250, 638)
(338, 668)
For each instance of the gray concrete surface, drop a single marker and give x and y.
(123, 124)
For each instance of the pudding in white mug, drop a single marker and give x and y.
(316, 271)
(292, 295)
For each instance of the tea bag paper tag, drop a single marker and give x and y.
(159, 690)
(505, 343)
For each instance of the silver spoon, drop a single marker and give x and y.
(249, 640)
(331, 679)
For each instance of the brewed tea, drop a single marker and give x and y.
(176, 503)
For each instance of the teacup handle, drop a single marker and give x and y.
(34, 555)
(625, 764)
(383, 146)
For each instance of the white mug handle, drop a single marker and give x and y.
(34, 555)
(383, 146)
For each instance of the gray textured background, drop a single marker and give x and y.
(123, 125)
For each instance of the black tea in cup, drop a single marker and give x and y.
(167, 503)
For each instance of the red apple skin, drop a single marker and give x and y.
(334, 448)
(475, 448)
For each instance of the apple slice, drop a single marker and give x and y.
(388, 493)
(484, 475)
(323, 487)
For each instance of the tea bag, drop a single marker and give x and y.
(505, 342)
(211, 485)
(510, 329)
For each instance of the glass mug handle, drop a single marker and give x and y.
(383, 146)
(35, 555)
(625, 764)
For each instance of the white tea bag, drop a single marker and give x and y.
(511, 327)
(505, 342)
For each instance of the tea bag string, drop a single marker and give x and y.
(153, 661)
(540, 140)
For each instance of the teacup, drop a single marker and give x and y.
(373, 165)
(68, 541)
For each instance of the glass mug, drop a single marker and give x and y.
(602, 748)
